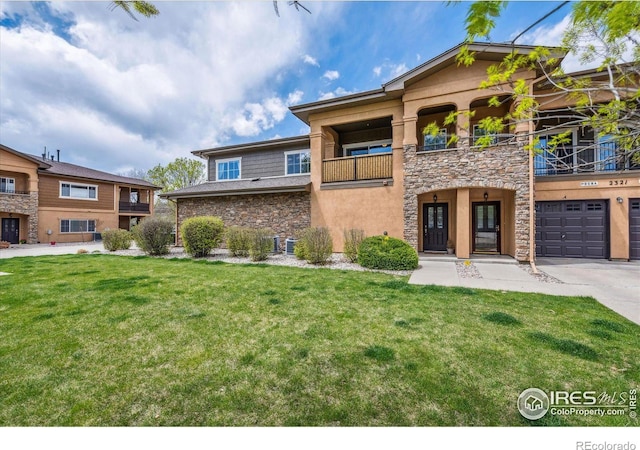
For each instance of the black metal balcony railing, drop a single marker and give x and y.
(134, 207)
(357, 168)
(570, 160)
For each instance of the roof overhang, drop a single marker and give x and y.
(395, 88)
(275, 185)
(253, 146)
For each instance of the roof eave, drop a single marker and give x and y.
(303, 111)
(270, 190)
(274, 143)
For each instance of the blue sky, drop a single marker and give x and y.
(115, 94)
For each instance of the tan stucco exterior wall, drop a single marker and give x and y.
(372, 209)
(598, 187)
(13, 163)
(50, 220)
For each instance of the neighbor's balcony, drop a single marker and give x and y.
(134, 207)
(357, 168)
(6, 191)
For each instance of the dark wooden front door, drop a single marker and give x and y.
(486, 227)
(435, 225)
(11, 230)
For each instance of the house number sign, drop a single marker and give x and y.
(588, 183)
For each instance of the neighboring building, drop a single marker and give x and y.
(42, 200)
(367, 165)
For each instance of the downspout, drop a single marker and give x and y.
(532, 203)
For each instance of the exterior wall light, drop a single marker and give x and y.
(486, 196)
(619, 199)
(435, 198)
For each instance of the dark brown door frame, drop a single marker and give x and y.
(435, 238)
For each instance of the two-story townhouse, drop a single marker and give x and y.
(373, 168)
(262, 184)
(45, 200)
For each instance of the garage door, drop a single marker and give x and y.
(634, 228)
(572, 229)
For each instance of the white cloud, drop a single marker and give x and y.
(339, 92)
(258, 117)
(389, 71)
(310, 60)
(112, 92)
(331, 75)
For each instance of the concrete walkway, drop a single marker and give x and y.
(46, 249)
(614, 284)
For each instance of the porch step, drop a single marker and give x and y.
(494, 259)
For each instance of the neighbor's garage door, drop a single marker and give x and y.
(572, 229)
(634, 228)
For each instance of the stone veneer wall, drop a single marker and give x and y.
(501, 167)
(286, 214)
(26, 205)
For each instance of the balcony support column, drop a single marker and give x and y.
(410, 131)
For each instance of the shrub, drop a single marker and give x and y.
(352, 240)
(315, 245)
(384, 252)
(114, 240)
(237, 239)
(200, 235)
(154, 235)
(260, 243)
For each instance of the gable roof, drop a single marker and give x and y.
(72, 170)
(50, 167)
(41, 164)
(395, 88)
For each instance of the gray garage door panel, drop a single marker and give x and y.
(572, 229)
(634, 228)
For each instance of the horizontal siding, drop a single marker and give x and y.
(264, 163)
(50, 194)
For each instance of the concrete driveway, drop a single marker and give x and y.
(614, 284)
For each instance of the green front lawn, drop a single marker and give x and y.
(108, 340)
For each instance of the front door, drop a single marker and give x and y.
(10, 230)
(486, 227)
(435, 221)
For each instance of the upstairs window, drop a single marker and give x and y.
(298, 162)
(8, 185)
(368, 148)
(77, 226)
(79, 191)
(437, 142)
(480, 133)
(227, 169)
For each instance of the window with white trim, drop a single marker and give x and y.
(367, 148)
(228, 169)
(77, 226)
(7, 185)
(79, 191)
(297, 162)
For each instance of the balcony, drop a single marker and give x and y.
(134, 207)
(583, 159)
(4, 191)
(357, 168)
